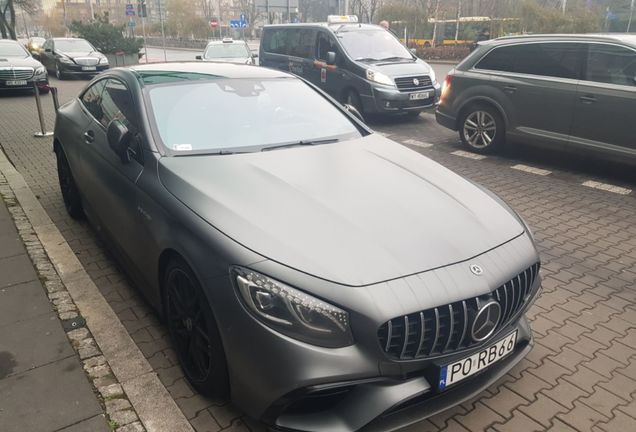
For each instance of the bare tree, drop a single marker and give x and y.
(8, 15)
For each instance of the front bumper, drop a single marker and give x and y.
(77, 70)
(392, 101)
(41, 81)
(292, 385)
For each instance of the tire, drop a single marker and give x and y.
(482, 129)
(352, 98)
(192, 327)
(70, 193)
(58, 73)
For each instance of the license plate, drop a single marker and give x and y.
(16, 83)
(418, 96)
(89, 68)
(459, 370)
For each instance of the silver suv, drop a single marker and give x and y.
(574, 92)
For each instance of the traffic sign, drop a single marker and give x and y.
(242, 18)
(237, 24)
(130, 12)
(132, 24)
(214, 23)
(129, 6)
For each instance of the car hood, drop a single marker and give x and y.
(355, 213)
(19, 62)
(407, 68)
(76, 54)
(239, 60)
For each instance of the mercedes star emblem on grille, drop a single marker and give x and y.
(477, 270)
(486, 321)
(416, 81)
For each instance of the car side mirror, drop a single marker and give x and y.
(48, 50)
(331, 58)
(353, 111)
(254, 55)
(199, 58)
(119, 139)
(413, 51)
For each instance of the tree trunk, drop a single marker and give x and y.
(3, 28)
(12, 21)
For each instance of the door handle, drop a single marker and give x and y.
(588, 99)
(510, 89)
(89, 136)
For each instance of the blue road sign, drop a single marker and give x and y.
(129, 6)
(132, 24)
(130, 12)
(235, 23)
(242, 19)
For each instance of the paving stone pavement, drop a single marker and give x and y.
(580, 376)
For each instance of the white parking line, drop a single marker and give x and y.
(531, 170)
(607, 187)
(417, 143)
(468, 155)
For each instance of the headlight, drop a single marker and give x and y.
(293, 312)
(379, 77)
(103, 60)
(65, 60)
(431, 73)
(40, 71)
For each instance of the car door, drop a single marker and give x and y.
(536, 85)
(330, 78)
(606, 100)
(109, 184)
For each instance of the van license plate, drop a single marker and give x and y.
(455, 372)
(419, 96)
(89, 68)
(16, 83)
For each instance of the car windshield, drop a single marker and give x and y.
(73, 45)
(12, 50)
(244, 115)
(373, 44)
(226, 50)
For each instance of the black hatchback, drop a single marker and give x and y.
(569, 92)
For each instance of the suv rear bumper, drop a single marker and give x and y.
(446, 120)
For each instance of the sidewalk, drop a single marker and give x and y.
(43, 387)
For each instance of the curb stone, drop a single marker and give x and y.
(119, 414)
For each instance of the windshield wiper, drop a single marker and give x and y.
(366, 59)
(300, 144)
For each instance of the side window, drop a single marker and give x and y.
(117, 104)
(301, 43)
(561, 60)
(324, 45)
(92, 99)
(611, 64)
(276, 41)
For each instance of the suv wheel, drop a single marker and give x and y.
(482, 129)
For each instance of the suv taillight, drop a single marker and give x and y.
(447, 84)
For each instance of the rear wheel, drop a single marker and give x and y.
(70, 194)
(482, 129)
(193, 331)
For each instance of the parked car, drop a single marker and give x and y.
(72, 57)
(18, 70)
(228, 50)
(362, 65)
(324, 276)
(34, 45)
(574, 92)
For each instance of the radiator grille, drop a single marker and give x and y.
(19, 73)
(447, 328)
(413, 83)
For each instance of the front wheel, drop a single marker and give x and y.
(482, 129)
(58, 73)
(193, 331)
(70, 194)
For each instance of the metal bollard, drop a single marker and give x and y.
(43, 132)
(56, 101)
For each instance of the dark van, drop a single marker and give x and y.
(362, 65)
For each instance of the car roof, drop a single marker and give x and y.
(220, 42)
(9, 41)
(66, 38)
(335, 27)
(214, 69)
(589, 37)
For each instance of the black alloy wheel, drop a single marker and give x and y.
(193, 331)
(70, 194)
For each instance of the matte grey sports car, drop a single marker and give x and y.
(323, 276)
